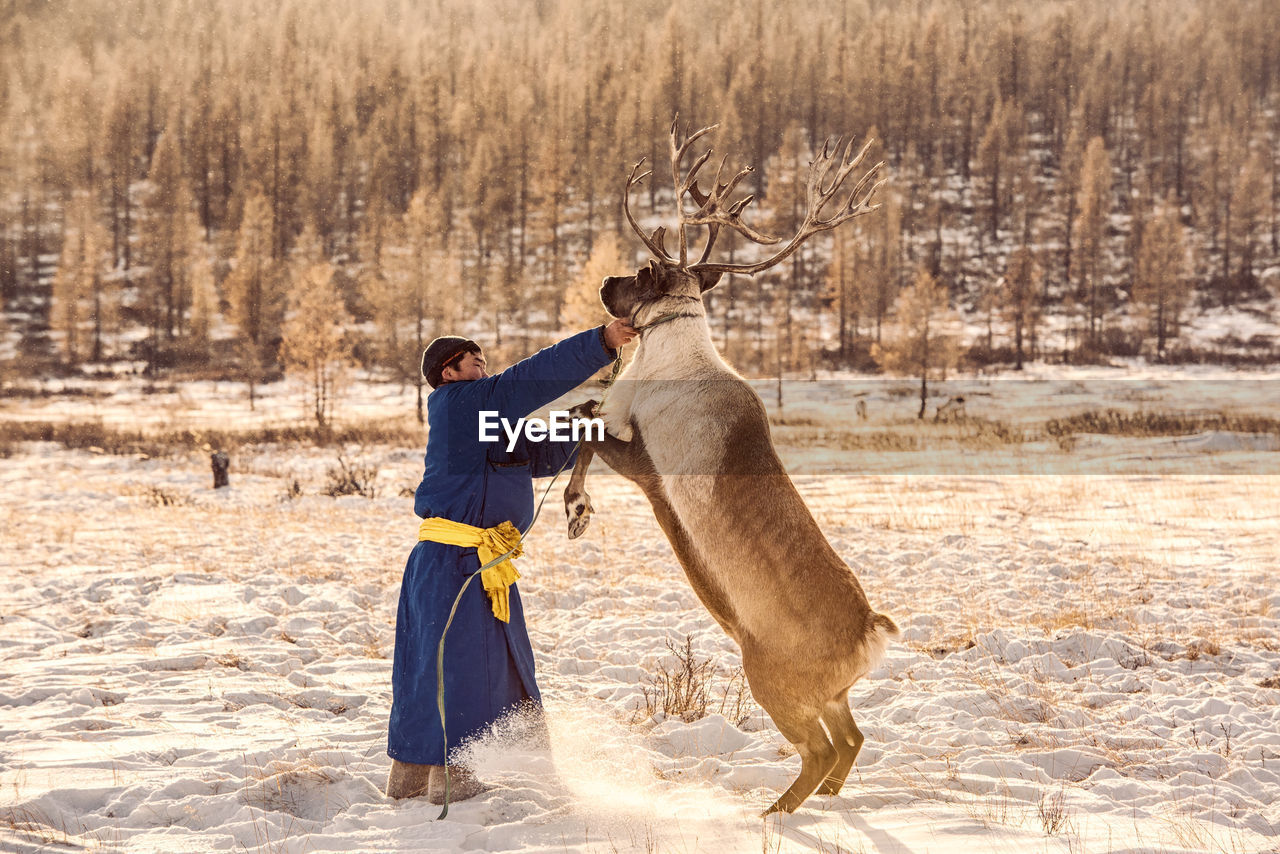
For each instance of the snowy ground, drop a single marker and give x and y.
(1090, 660)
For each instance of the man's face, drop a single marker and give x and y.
(471, 366)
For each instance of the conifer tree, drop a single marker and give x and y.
(998, 152)
(412, 287)
(783, 204)
(550, 186)
(782, 211)
(881, 259)
(1160, 285)
(8, 266)
(382, 272)
(1068, 190)
(74, 281)
(169, 233)
(1020, 305)
(255, 293)
(84, 293)
(1248, 205)
(1094, 204)
(841, 294)
(922, 341)
(315, 348)
(1213, 197)
(581, 308)
(204, 300)
(322, 186)
(430, 291)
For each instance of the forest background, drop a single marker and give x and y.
(240, 190)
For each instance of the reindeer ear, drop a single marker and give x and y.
(708, 281)
(650, 280)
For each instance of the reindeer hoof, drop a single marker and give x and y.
(579, 513)
(785, 804)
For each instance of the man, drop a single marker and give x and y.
(469, 490)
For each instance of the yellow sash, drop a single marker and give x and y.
(489, 543)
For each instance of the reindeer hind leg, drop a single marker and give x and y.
(817, 756)
(848, 741)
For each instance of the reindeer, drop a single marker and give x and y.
(692, 434)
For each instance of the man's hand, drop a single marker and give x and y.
(619, 332)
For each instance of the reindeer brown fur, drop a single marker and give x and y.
(694, 436)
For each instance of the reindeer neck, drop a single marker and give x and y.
(679, 346)
(659, 311)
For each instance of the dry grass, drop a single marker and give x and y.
(160, 496)
(681, 688)
(1114, 422)
(1188, 833)
(1055, 818)
(233, 659)
(683, 685)
(995, 809)
(961, 434)
(1026, 702)
(351, 477)
(167, 442)
(1198, 649)
(34, 826)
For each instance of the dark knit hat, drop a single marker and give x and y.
(442, 352)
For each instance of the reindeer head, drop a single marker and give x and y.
(675, 276)
(623, 296)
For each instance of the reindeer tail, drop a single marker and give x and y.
(881, 623)
(880, 630)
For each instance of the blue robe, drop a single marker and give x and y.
(488, 664)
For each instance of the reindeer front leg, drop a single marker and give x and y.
(577, 504)
(616, 452)
(616, 411)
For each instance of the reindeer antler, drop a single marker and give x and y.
(658, 238)
(716, 211)
(712, 209)
(820, 191)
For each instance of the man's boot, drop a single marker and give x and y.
(408, 780)
(462, 784)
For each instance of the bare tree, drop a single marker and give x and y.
(998, 154)
(204, 300)
(1094, 206)
(922, 341)
(169, 233)
(1020, 304)
(1160, 286)
(255, 293)
(315, 348)
(1249, 205)
(82, 298)
(581, 305)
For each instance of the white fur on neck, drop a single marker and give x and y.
(676, 348)
(679, 349)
